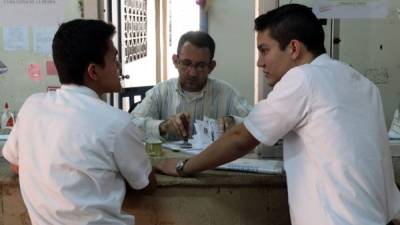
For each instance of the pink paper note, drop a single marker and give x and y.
(34, 72)
(51, 68)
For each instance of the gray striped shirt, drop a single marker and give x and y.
(217, 99)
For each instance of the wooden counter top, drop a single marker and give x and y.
(207, 178)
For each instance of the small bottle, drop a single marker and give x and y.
(7, 118)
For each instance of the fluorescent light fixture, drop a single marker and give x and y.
(3, 67)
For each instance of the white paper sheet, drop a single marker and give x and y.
(207, 131)
(43, 38)
(3, 137)
(350, 9)
(394, 131)
(243, 164)
(15, 38)
(32, 13)
(255, 165)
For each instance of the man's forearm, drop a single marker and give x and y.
(234, 144)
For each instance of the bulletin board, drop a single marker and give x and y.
(26, 32)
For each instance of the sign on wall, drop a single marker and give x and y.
(346, 9)
(31, 12)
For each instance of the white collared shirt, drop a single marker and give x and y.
(336, 156)
(74, 152)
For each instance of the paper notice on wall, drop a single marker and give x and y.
(51, 68)
(15, 38)
(43, 38)
(350, 9)
(32, 13)
(52, 88)
(34, 72)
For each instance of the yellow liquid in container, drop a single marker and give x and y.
(154, 147)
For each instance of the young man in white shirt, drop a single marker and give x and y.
(338, 166)
(73, 151)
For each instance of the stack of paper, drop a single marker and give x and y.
(3, 139)
(255, 165)
(207, 131)
(242, 164)
(394, 131)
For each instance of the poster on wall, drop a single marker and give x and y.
(31, 13)
(350, 9)
(43, 38)
(15, 38)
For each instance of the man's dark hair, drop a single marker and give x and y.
(293, 22)
(78, 43)
(199, 39)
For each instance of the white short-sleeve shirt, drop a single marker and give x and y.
(336, 156)
(74, 152)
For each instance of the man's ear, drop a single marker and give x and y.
(294, 48)
(212, 65)
(91, 71)
(175, 60)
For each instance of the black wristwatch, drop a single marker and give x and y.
(179, 168)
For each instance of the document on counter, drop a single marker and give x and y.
(3, 137)
(269, 166)
(394, 131)
(177, 147)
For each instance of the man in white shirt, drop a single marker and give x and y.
(338, 165)
(192, 95)
(72, 150)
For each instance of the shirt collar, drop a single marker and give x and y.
(79, 89)
(202, 92)
(321, 59)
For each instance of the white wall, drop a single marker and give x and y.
(15, 85)
(376, 56)
(231, 23)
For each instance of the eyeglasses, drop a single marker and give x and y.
(199, 67)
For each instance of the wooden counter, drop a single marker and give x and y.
(213, 197)
(210, 198)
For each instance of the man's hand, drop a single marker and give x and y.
(167, 167)
(176, 125)
(225, 123)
